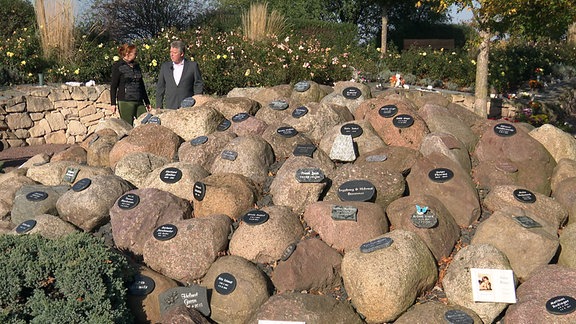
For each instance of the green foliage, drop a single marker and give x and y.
(75, 279)
(20, 57)
(20, 13)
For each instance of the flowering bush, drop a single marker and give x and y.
(20, 59)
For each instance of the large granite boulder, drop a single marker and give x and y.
(48, 226)
(567, 255)
(441, 119)
(231, 106)
(449, 146)
(204, 153)
(559, 143)
(177, 178)
(10, 183)
(363, 135)
(204, 118)
(53, 173)
(314, 92)
(33, 200)
(318, 119)
(565, 168)
(136, 167)
(145, 307)
(284, 139)
(74, 153)
(349, 94)
(437, 312)
(392, 158)
(565, 195)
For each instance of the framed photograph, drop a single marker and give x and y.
(493, 285)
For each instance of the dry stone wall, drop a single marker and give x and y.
(33, 115)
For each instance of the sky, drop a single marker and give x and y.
(460, 17)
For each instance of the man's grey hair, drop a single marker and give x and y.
(179, 45)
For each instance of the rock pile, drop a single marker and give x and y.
(317, 204)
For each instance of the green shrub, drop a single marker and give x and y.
(76, 279)
(18, 14)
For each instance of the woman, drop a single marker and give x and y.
(127, 87)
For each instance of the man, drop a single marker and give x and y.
(178, 79)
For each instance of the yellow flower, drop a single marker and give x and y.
(23, 63)
(77, 71)
(218, 56)
(100, 45)
(9, 54)
(115, 58)
(247, 73)
(146, 46)
(154, 63)
(224, 56)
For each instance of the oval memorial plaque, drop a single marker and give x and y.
(165, 232)
(255, 217)
(171, 175)
(188, 102)
(37, 196)
(309, 175)
(81, 184)
(199, 140)
(154, 120)
(440, 175)
(376, 244)
(356, 190)
(561, 305)
(424, 220)
(288, 252)
(128, 201)
(456, 316)
(26, 226)
(225, 284)
(199, 190)
(240, 117)
(403, 121)
(351, 93)
(388, 111)
(351, 129)
(278, 105)
(229, 155)
(224, 125)
(524, 196)
(302, 86)
(376, 158)
(504, 129)
(299, 112)
(287, 131)
(141, 286)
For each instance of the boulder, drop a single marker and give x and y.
(559, 143)
(136, 167)
(314, 93)
(447, 145)
(204, 118)
(283, 139)
(393, 158)
(99, 147)
(248, 126)
(351, 102)
(182, 314)
(271, 115)
(565, 195)
(118, 125)
(50, 227)
(567, 255)
(52, 174)
(42, 200)
(441, 119)
(435, 312)
(230, 106)
(177, 178)
(74, 153)
(10, 183)
(205, 154)
(364, 137)
(565, 169)
(265, 95)
(318, 120)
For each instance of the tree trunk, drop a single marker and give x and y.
(384, 30)
(572, 34)
(481, 90)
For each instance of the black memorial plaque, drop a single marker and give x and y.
(225, 284)
(287, 131)
(199, 190)
(81, 184)
(146, 119)
(193, 296)
(255, 217)
(309, 175)
(456, 316)
(376, 158)
(240, 117)
(351, 93)
(141, 286)
(165, 232)
(440, 175)
(128, 201)
(351, 129)
(224, 125)
(527, 222)
(37, 196)
(356, 190)
(300, 112)
(349, 213)
(171, 175)
(70, 175)
(26, 226)
(388, 111)
(524, 196)
(278, 105)
(561, 305)
(154, 120)
(188, 102)
(403, 121)
(504, 130)
(424, 217)
(288, 252)
(302, 86)
(376, 244)
(199, 140)
(229, 155)
(304, 150)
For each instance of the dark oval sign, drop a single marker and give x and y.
(356, 190)
(165, 232)
(302, 86)
(240, 117)
(171, 175)
(229, 155)
(199, 140)
(504, 130)
(225, 284)
(128, 201)
(255, 217)
(287, 131)
(440, 175)
(351, 129)
(403, 121)
(154, 120)
(199, 190)
(309, 175)
(141, 286)
(561, 305)
(278, 105)
(224, 125)
(288, 251)
(351, 93)
(81, 184)
(388, 111)
(26, 226)
(376, 244)
(188, 102)
(37, 196)
(425, 220)
(456, 316)
(524, 196)
(299, 112)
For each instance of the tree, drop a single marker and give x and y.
(21, 13)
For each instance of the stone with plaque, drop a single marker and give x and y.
(287, 131)
(225, 284)
(351, 129)
(356, 190)
(171, 175)
(525, 196)
(128, 201)
(299, 112)
(349, 213)
(302, 86)
(351, 93)
(199, 190)
(81, 184)
(141, 286)
(388, 111)
(278, 105)
(224, 125)
(504, 130)
(188, 102)
(155, 120)
(376, 158)
(304, 150)
(229, 155)
(94, 139)
(456, 316)
(309, 175)
(561, 305)
(377, 244)
(165, 232)
(70, 174)
(199, 140)
(255, 217)
(527, 222)
(288, 252)
(37, 196)
(403, 121)
(193, 296)
(26, 226)
(240, 117)
(146, 119)
(440, 175)
(424, 217)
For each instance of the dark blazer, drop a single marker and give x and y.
(168, 94)
(127, 83)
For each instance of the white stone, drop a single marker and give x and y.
(343, 149)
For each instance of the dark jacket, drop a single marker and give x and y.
(127, 83)
(166, 89)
